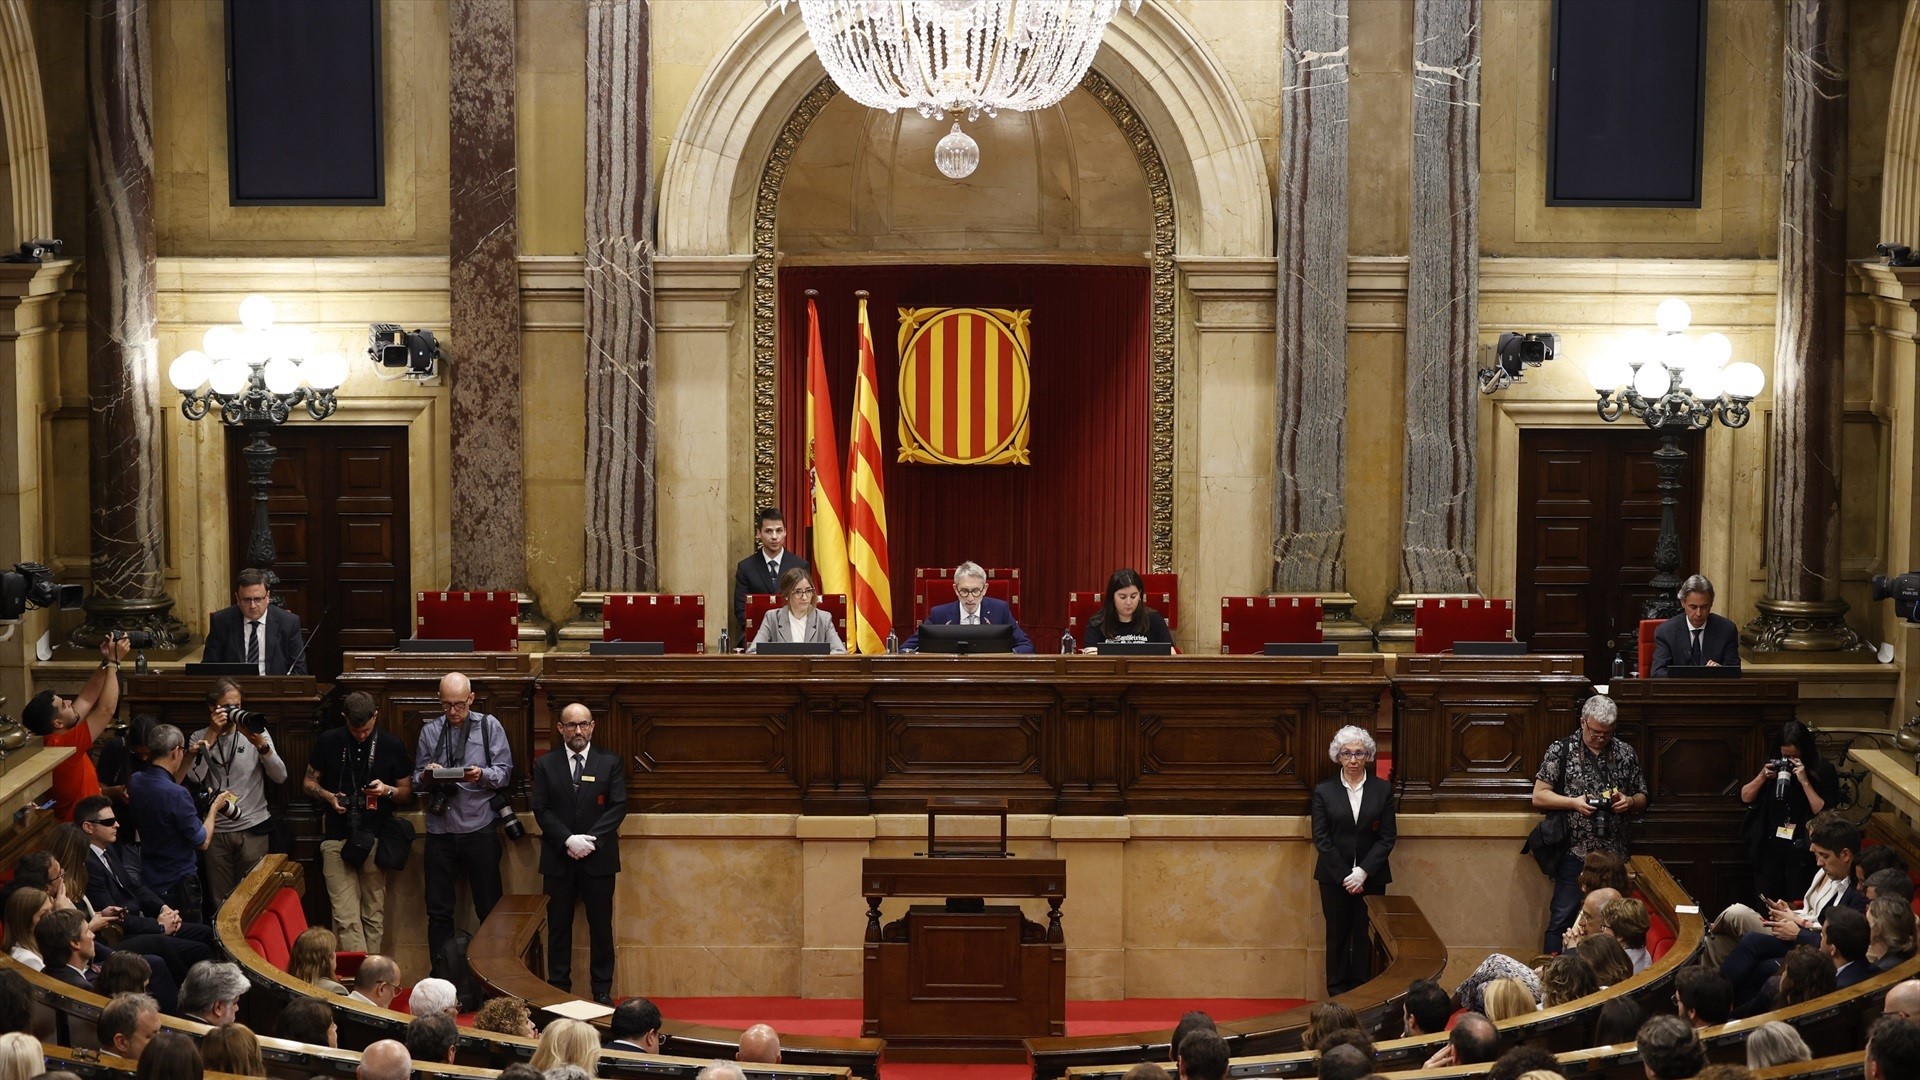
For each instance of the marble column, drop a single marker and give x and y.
(128, 590)
(489, 547)
(1443, 301)
(621, 441)
(1310, 364)
(1802, 610)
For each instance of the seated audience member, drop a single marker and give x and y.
(71, 848)
(431, 996)
(1352, 1036)
(1425, 1009)
(1845, 938)
(1903, 1000)
(1344, 1062)
(65, 943)
(1203, 1055)
(1775, 1043)
(172, 832)
(173, 1056)
(1508, 998)
(1702, 996)
(1627, 921)
(432, 1038)
(308, 1020)
(1608, 959)
(973, 607)
(1618, 1022)
(1473, 1041)
(232, 1049)
(1325, 1016)
(1873, 859)
(1891, 921)
(1669, 1049)
(566, 1072)
(1189, 1023)
(21, 1057)
(212, 993)
(1760, 942)
(720, 1070)
(519, 1070)
(1893, 1049)
(127, 1024)
(1520, 1061)
(506, 1015)
(1124, 615)
(76, 722)
(377, 982)
(1147, 1070)
(759, 1045)
(1724, 1071)
(635, 1025)
(1590, 921)
(798, 618)
(1496, 966)
(112, 880)
(1889, 882)
(26, 906)
(1805, 974)
(313, 959)
(1566, 978)
(16, 1002)
(567, 1042)
(386, 1059)
(123, 973)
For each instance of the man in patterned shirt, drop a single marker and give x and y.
(1597, 779)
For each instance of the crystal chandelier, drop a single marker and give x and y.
(957, 56)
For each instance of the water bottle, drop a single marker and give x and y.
(1619, 667)
(723, 641)
(1066, 643)
(893, 643)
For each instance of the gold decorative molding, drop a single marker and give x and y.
(1161, 294)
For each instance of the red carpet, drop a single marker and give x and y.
(841, 1017)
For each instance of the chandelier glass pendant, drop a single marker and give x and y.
(959, 57)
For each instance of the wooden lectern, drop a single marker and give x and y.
(965, 981)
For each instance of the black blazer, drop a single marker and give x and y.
(596, 809)
(750, 576)
(65, 973)
(1344, 843)
(227, 642)
(141, 904)
(1672, 643)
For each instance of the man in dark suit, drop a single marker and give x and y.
(1696, 637)
(973, 608)
(579, 800)
(1354, 831)
(254, 631)
(760, 572)
(114, 882)
(65, 942)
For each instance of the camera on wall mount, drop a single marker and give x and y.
(414, 354)
(1513, 355)
(1903, 590)
(1897, 254)
(36, 251)
(31, 585)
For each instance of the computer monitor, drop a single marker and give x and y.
(965, 640)
(241, 668)
(1702, 671)
(792, 648)
(1303, 648)
(1134, 648)
(433, 645)
(626, 648)
(1489, 648)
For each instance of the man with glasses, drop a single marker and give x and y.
(377, 982)
(254, 631)
(461, 839)
(1596, 779)
(579, 800)
(114, 885)
(972, 608)
(359, 774)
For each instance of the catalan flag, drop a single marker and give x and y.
(826, 508)
(870, 609)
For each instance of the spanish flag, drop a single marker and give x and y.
(870, 610)
(826, 507)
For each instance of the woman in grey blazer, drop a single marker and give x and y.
(797, 619)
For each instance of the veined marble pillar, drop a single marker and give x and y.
(1802, 610)
(1310, 365)
(489, 510)
(123, 377)
(1443, 301)
(621, 552)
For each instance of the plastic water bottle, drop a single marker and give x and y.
(893, 643)
(1067, 647)
(1619, 668)
(723, 641)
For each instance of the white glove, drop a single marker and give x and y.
(580, 845)
(1355, 878)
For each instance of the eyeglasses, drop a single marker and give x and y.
(804, 590)
(452, 705)
(105, 822)
(1354, 755)
(575, 725)
(970, 590)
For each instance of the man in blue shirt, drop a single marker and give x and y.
(172, 833)
(461, 839)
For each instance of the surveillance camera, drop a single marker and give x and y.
(1897, 254)
(34, 251)
(414, 352)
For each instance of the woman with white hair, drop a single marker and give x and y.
(432, 996)
(1775, 1043)
(1353, 830)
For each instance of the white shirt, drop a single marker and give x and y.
(29, 958)
(255, 626)
(796, 626)
(1354, 791)
(1641, 959)
(1822, 892)
(969, 618)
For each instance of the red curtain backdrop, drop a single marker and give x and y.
(1067, 520)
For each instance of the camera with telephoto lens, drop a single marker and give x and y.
(203, 797)
(252, 721)
(1781, 765)
(136, 640)
(504, 816)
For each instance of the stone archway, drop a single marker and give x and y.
(1900, 186)
(26, 178)
(741, 108)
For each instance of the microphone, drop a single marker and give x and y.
(304, 642)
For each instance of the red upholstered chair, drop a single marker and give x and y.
(677, 620)
(1163, 596)
(1440, 621)
(490, 619)
(1081, 606)
(268, 937)
(1248, 623)
(399, 1002)
(933, 586)
(758, 604)
(1647, 627)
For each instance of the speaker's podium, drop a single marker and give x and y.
(964, 981)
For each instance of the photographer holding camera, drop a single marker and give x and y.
(360, 773)
(234, 753)
(76, 722)
(465, 765)
(173, 831)
(1781, 799)
(1595, 779)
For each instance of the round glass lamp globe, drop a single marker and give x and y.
(1672, 316)
(229, 376)
(956, 154)
(1704, 381)
(253, 346)
(256, 312)
(282, 376)
(1716, 349)
(1609, 373)
(1675, 352)
(326, 371)
(1744, 380)
(292, 342)
(189, 370)
(1652, 380)
(220, 341)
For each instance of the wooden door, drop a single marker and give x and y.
(1589, 519)
(338, 511)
